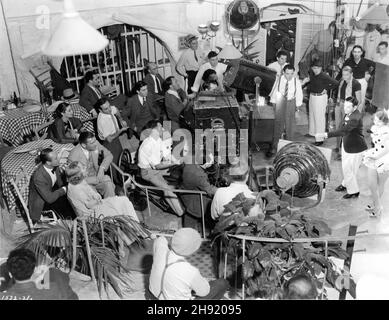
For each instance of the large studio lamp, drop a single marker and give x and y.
(73, 35)
(376, 14)
(229, 52)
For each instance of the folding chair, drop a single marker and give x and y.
(43, 130)
(19, 192)
(43, 82)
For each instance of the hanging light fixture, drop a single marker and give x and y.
(229, 52)
(73, 35)
(209, 31)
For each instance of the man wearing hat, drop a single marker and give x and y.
(190, 61)
(70, 96)
(239, 174)
(173, 277)
(319, 86)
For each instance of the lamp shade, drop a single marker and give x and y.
(229, 52)
(73, 36)
(376, 14)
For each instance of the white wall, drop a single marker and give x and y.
(166, 19)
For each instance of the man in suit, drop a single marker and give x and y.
(194, 177)
(47, 188)
(353, 145)
(175, 101)
(91, 93)
(154, 86)
(140, 109)
(88, 152)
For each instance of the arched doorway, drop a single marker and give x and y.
(123, 61)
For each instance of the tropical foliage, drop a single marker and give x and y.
(54, 242)
(268, 265)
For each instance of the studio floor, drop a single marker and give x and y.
(371, 254)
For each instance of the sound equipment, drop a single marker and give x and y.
(381, 85)
(216, 111)
(241, 75)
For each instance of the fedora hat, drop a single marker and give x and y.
(69, 94)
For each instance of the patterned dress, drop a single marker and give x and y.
(378, 156)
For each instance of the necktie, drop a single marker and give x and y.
(286, 89)
(53, 170)
(158, 85)
(144, 101)
(195, 56)
(115, 124)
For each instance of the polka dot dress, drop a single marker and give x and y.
(378, 156)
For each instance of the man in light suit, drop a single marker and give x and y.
(47, 190)
(88, 152)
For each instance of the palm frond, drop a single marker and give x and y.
(47, 239)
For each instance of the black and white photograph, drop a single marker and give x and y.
(214, 152)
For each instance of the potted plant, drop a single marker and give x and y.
(54, 241)
(268, 265)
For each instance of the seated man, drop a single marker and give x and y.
(140, 109)
(88, 152)
(239, 175)
(173, 277)
(194, 177)
(154, 86)
(21, 265)
(91, 93)
(47, 190)
(300, 287)
(109, 131)
(153, 165)
(175, 101)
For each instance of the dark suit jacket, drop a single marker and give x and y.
(352, 133)
(151, 84)
(88, 98)
(137, 115)
(174, 106)
(272, 45)
(195, 178)
(42, 191)
(57, 131)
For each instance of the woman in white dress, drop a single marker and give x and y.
(86, 201)
(377, 161)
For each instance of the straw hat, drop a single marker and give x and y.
(69, 94)
(189, 38)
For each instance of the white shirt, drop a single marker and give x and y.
(52, 175)
(293, 92)
(187, 61)
(225, 195)
(220, 69)
(141, 99)
(155, 83)
(150, 152)
(106, 125)
(277, 67)
(180, 278)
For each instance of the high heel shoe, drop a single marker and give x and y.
(375, 212)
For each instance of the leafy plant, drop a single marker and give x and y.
(54, 241)
(268, 265)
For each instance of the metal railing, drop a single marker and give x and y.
(128, 180)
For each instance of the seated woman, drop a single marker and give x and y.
(66, 128)
(210, 81)
(88, 202)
